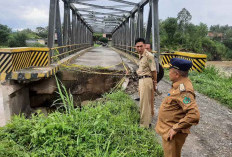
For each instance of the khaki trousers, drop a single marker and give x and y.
(173, 148)
(146, 94)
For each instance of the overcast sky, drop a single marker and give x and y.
(20, 14)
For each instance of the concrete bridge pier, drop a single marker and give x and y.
(14, 99)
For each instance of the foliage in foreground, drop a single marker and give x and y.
(213, 84)
(104, 128)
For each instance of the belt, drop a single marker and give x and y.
(145, 76)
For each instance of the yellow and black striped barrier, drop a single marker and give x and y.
(32, 73)
(32, 63)
(13, 59)
(198, 60)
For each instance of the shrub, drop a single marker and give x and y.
(17, 39)
(103, 39)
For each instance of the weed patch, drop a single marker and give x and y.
(101, 129)
(214, 85)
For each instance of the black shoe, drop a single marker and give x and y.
(137, 99)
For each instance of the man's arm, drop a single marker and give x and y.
(189, 105)
(154, 79)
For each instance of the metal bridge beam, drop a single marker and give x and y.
(66, 24)
(59, 27)
(134, 10)
(124, 2)
(52, 18)
(119, 1)
(101, 13)
(149, 24)
(132, 29)
(73, 39)
(155, 27)
(102, 7)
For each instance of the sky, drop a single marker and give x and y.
(21, 14)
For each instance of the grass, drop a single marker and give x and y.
(106, 128)
(97, 45)
(1, 46)
(212, 84)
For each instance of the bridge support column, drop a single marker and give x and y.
(14, 99)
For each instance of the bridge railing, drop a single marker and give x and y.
(130, 49)
(198, 60)
(16, 59)
(13, 59)
(58, 52)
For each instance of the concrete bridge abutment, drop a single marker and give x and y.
(14, 100)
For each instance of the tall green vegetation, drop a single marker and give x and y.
(105, 128)
(179, 34)
(42, 32)
(4, 34)
(213, 84)
(223, 34)
(18, 38)
(96, 36)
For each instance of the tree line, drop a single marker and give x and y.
(176, 34)
(179, 34)
(8, 38)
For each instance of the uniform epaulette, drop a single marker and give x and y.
(146, 54)
(182, 87)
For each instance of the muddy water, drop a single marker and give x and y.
(223, 66)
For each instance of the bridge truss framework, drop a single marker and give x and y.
(124, 20)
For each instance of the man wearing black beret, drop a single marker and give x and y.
(178, 111)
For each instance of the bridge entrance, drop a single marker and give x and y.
(122, 19)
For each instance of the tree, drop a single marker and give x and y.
(30, 34)
(215, 28)
(184, 17)
(4, 34)
(103, 39)
(96, 36)
(18, 39)
(42, 32)
(170, 26)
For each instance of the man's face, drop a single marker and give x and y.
(148, 47)
(140, 47)
(173, 75)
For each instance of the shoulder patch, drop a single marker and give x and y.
(186, 100)
(182, 87)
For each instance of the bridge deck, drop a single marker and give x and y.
(103, 57)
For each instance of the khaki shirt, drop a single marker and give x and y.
(146, 64)
(178, 110)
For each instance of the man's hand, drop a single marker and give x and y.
(154, 85)
(171, 134)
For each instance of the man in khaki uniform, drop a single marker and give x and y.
(147, 83)
(178, 111)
